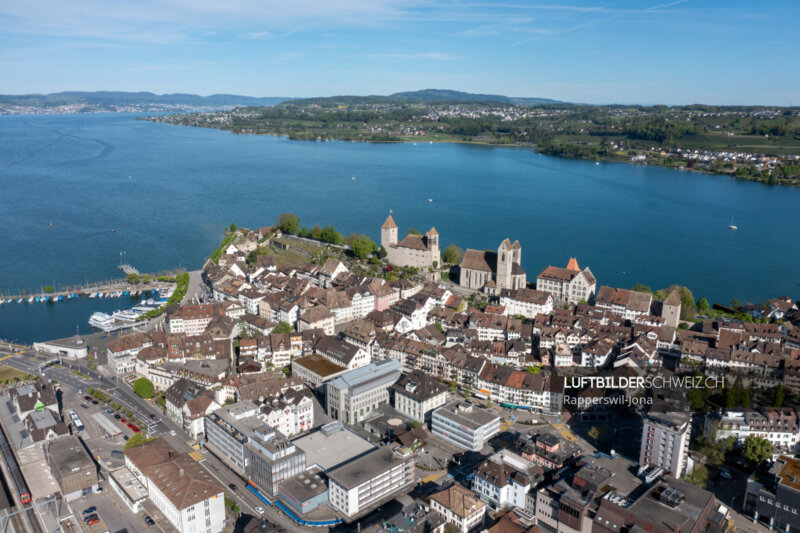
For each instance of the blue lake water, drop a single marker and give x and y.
(67, 181)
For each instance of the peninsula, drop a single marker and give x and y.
(752, 143)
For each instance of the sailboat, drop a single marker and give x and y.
(732, 226)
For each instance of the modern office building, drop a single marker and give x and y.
(252, 448)
(353, 396)
(465, 425)
(364, 483)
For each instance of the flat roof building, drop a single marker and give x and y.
(364, 483)
(332, 446)
(353, 396)
(465, 425)
(72, 466)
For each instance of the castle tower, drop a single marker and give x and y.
(517, 248)
(388, 233)
(433, 244)
(505, 262)
(671, 309)
(573, 265)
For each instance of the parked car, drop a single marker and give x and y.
(231, 486)
(136, 430)
(93, 521)
(90, 510)
(172, 432)
(725, 473)
(149, 521)
(91, 517)
(94, 402)
(123, 420)
(87, 398)
(153, 417)
(125, 437)
(259, 509)
(116, 416)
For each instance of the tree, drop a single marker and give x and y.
(488, 403)
(594, 433)
(382, 252)
(283, 327)
(639, 287)
(415, 424)
(133, 278)
(413, 231)
(698, 476)
(145, 279)
(756, 449)
(329, 234)
(48, 288)
(452, 254)
(453, 386)
(702, 305)
(780, 393)
(232, 227)
(144, 388)
(533, 369)
(746, 402)
(363, 246)
(136, 440)
(289, 223)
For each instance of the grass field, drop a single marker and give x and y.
(12, 374)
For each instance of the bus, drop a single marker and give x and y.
(77, 424)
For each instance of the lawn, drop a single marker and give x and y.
(12, 374)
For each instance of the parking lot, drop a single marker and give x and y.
(113, 514)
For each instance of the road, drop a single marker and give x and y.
(197, 288)
(162, 427)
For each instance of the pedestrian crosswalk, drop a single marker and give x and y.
(432, 478)
(196, 456)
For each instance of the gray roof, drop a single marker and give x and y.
(330, 450)
(466, 414)
(366, 467)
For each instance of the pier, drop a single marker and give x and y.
(128, 269)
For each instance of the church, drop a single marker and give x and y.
(493, 271)
(419, 251)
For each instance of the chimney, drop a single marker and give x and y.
(180, 474)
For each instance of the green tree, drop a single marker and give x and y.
(780, 393)
(363, 246)
(413, 231)
(48, 288)
(533, 369)
(144, 388)
(453, 386)
(283, 327)
(703, 305)
(452, 254)
(133, 278)
(639, 287)
(382, 252)
(329, 234)
(232, 227)
(746, 401)
(145, 279)
(698, 476)
(756, 449)
(730, 397)
(594, 433)
(289, 223)
(488, 403)
(415, 424)
(136, 440)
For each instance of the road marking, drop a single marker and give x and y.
(196, 456)
(4, 358)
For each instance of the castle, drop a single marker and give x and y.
(493, 271)
(419, 251)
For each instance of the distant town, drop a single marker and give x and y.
(750, 143)
(307, 381)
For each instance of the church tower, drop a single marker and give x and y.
(671, 309)
(433, 245)
(388, 233)
(505, 262)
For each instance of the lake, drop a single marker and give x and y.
(168, 192)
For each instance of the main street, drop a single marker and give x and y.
(162, 427)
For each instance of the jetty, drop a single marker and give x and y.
(128, 269)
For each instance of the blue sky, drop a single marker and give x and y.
(634, 51)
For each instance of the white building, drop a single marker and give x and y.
(366, 482)
(417, 394)
(182, 490)
(526, 302)
(777, 425)
(353, 396)
(571, 285)
(665, 441)
(465, 425)
(459, 506)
